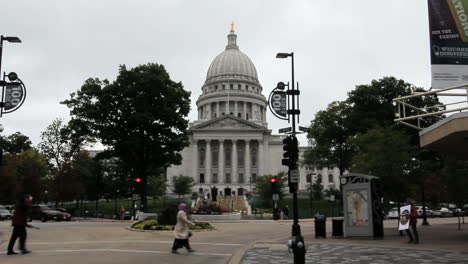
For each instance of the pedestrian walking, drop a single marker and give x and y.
(181, 230)
(19, 223)
(413, 222)
(286, 212)
(121, 212)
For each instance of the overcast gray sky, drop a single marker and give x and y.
(337, 44)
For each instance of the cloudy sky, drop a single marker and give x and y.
(337, 44)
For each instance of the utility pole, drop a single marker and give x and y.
(292, 155)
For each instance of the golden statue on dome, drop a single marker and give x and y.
(232, 26)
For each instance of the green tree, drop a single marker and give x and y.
(328, 137)
(141, 118)
(264, 186)
(317, 189)
(15, 143)
(157, 186)
(56, 146)
(385, 153)
(31, 172)
(182, 185)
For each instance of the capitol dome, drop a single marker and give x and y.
(232, 63)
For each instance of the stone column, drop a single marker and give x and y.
(260, 158)
(208, 110)
(247, 161)
(266, 161)
(196, 175)
(208, 162)
(218, 114)
(234, 178)
(244, 115)
(221, 162)
(235, 109)
(264, 114)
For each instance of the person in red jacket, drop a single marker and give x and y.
(19, 223)
(413, 222)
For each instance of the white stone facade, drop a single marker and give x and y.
(230, 143)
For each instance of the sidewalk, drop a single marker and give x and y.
(441, 242)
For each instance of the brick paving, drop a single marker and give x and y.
(263, 253)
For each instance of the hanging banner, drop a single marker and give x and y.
(448, 23)
(405, 212)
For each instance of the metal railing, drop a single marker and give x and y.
(407, 113)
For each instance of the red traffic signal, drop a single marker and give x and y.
(138, 180)
(273, 180)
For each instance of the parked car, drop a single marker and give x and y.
(393, 213)
(5, 214)
(442, 212)
(44, 213)
(429, 212)
(456, 211)
(66, 216)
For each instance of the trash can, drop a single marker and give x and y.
(337, 227)
(320, 226)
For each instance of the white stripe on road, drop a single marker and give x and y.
(129, 241)
(119, 250)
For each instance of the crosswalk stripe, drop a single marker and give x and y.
(120, 250)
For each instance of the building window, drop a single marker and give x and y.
(330, 178)
(319, 178)
(238, 114)
(222, 113)
(308, 178)
(254, 177)
(202, 158)
(214, 154)
(231, 86)
(202, 178)
(227, 158)
(241, 178)
(253, 157)
(223, 87)
(215, 178)
(240, 157)
(246, 87)
(216, 87)
(239, 87)
(247, 116)
(228, 178)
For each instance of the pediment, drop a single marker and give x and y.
(228, 122)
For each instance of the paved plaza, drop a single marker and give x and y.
(254, 241)
(336, 254)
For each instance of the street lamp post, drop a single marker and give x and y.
(2, 81)
(298, 245)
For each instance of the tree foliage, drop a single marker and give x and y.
(182, 185)
(264, 186)
(141, 118)
(15, 143)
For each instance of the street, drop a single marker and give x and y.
(232, 242)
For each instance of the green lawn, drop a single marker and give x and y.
(306, 208)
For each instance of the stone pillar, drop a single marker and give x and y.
(266, 161)
(260, 158)
(218, 114)
(210, 115)
(235, 109)
(221, 162)
(196, 175)
(247, 162)
(244, 115)
(208, 162)
(264, 114)
(234, 162)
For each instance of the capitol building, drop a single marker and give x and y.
(230, 142)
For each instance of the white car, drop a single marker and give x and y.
(442, 212)
(393, 213)
(420, 211)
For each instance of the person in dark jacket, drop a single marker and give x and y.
(19, 223)
(413, 222)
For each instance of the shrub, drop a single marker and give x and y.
(168, 216)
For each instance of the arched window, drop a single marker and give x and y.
(330, 178)
(308, 177)
(319, 178)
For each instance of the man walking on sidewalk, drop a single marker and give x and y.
(413, 222)
(19, 223)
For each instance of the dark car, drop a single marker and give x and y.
(66, 216)
(5, 214)
(44, 213)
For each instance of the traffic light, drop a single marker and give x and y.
(138, 180)
(291, 152)
(274, 184)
